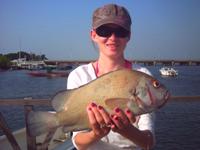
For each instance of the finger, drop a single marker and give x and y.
(105, 116)
(130, 115)
(117, 122)
(96, 128)
(113, 125)
(97, 114)
(94, 124)
(121, 115)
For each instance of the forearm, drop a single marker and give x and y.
(143, 139)
(84, 139)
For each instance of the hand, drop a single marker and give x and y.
(122, 120)
(99, 120)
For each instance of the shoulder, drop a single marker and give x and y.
(141, 69)
(80, 76)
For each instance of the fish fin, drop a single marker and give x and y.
(59, 100)
(116, 102)
(72, 128)
(41, 122)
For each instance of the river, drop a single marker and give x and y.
(177, 124)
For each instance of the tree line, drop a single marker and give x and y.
(5, 59)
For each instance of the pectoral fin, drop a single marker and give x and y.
(116, 102)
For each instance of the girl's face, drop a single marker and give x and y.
(111, 40)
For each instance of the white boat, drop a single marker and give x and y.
(59, 141)
(166, 71)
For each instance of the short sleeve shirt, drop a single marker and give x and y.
(113, 141)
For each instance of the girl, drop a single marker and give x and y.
(111, 31)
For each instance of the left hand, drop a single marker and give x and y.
(99, 120)
(122, 120)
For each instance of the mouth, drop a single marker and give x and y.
(166, 98)
(112, 45)
(167, 95)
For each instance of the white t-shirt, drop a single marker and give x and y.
(113, 141)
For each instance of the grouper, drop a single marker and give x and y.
(123, 88)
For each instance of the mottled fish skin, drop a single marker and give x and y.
(123, 88)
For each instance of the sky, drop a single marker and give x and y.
(60, 29)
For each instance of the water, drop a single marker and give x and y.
(18, 84)
(177, 124)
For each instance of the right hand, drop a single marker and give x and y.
(99, 120)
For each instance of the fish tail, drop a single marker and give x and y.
(41, 122)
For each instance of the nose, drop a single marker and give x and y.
(113, 36)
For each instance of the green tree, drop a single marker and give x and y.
(28, 56)
(4, 62)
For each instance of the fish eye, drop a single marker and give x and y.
(156, 84)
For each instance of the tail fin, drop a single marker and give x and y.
(41, 122)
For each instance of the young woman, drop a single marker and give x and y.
(111, 31)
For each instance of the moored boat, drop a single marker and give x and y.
(166, 71)
(48, 74)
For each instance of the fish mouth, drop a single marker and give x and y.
(166, 98)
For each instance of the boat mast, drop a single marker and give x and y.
(20, 46)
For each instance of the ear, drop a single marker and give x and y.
(93, 35)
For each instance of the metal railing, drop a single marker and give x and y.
(28, 105)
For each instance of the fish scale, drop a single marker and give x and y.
(123, 88)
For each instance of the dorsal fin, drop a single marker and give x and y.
(59, 100)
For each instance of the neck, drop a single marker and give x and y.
(105, 65)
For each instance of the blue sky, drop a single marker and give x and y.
(161, 29)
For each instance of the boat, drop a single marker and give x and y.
(167, 71)
(48, 74)
(59, 141)
(22, 140)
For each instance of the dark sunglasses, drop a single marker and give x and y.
(105, 31)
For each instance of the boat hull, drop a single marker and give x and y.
(48, 74)
(168, 72)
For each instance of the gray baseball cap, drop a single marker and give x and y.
(111, 13)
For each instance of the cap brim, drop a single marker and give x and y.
(112, 21)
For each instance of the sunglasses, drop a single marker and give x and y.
(105, 31)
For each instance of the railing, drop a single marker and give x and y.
(28, 105)
(145, 62)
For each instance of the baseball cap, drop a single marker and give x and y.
(111, 13)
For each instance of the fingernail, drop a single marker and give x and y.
(93, 104)
(128, 111)
(100, 107)
(117, 110)
(116, 118)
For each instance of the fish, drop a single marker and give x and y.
(123, 88)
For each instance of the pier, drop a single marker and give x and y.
(31, 65)
(143, 62)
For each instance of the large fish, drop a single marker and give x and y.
(123, 88)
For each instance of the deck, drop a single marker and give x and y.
(32, 142)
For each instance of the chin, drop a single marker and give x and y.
(117, 55)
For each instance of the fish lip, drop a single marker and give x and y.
(167, 95)
(166, 98)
